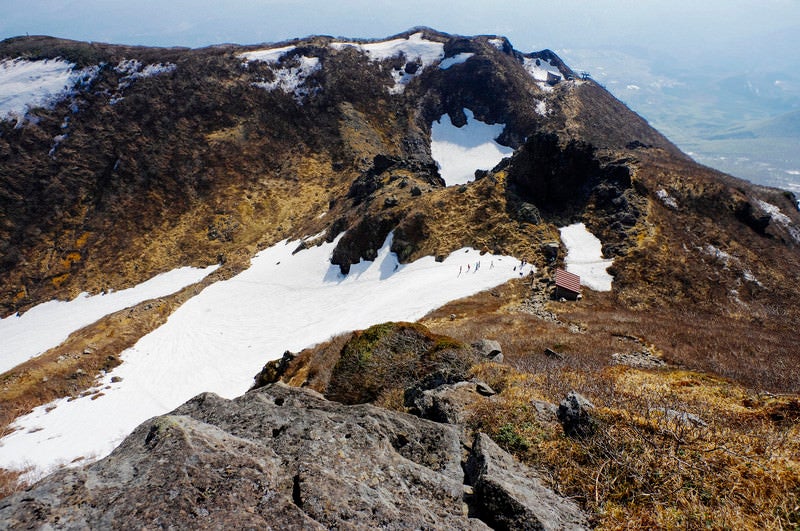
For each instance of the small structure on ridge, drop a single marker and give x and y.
(568, 285)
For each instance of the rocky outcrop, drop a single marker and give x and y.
(285, 458)
(573, 414)
(446, 403)
(509, 498)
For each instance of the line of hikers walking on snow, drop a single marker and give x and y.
(477, 266)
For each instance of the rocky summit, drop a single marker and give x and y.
(605, 330)
(285, 458)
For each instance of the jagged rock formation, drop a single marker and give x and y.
(286, 458)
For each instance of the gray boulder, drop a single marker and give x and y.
(545, 411)
(507, 495)
(682, 417)
(573, 414)
(447, 402)
(489, 348)
(283, 458)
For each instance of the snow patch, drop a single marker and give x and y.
(218, 340)
(27, 84)
(56, 142)
(497, 43)
(774, 212)
(292, 79)
(47, 325)
(459, 151)
(270, 55)
(779, 217)
(415, 48)
(132, 70)
(667, 199)
(289, 79)
(750, 277)
(541, 108)
(538, 69)
(719, 254)
(585, 257)
(455, 60)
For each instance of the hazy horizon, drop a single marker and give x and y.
(716, 26)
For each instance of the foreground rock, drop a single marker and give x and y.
(510, 497)
(283, 458)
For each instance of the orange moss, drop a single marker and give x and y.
(71, 258)
(80, 243)
(59, 280)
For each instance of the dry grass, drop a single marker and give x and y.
(644, 467)
(761, 354)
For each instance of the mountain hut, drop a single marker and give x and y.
(568, 285)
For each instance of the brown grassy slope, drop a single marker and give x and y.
(189, 167)
(644, 470)
(710, 252)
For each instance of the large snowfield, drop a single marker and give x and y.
(218, 340)
(585, 257)
(47, 325)
(459, 151)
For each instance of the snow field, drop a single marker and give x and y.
(27, 84)
(455, 60)
(415, 49)
(459, 151)
(585, 257)
(218, 340)
(48, 325)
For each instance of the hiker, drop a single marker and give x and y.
(459, 271)
(491, 266)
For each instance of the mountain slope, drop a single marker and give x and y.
(196, 162)
(152, 159)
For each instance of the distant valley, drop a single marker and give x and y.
(739, 116)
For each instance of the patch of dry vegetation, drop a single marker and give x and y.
(374, 365)
(649, 464)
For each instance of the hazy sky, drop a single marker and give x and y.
(701, 27)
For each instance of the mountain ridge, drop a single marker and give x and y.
(170, 157)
